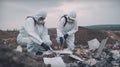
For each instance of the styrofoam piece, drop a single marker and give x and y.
(55, 62)
(93, 44)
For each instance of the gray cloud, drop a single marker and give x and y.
(89, 12)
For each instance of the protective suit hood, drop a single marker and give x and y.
(72, 15)
(41, 13)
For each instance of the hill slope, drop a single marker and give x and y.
(105, 27)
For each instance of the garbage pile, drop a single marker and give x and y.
(101, 56)
(92, 49)
(98, 55)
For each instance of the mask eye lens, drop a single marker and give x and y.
(41, 18)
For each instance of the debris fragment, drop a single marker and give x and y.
(19, 48)
(102, 45)
(91, 61)
(72, 65)
(65, 51)
(54, 62)
(93, 44)
(76, 57)
(116, 54)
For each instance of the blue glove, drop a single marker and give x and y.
(46, 47)
(65, 36)
(61, 40)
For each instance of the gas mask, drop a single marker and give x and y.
(70, 20)
(41, 20)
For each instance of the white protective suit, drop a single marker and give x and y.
(69, 29)
(33, 35)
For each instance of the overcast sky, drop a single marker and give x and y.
(89, 12)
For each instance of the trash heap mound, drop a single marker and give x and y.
(93, 48)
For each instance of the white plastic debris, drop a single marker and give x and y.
(93, 44)
(101, 47)
(19, 48)
(76, 57)
(5, 41)
(47, 52)
(65, 51)
(54, 62)
(91, 61)
(58, 52)
(116, 54)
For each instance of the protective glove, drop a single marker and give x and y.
(65, 36)
(61, 40)
(39, 53)
(46, 47)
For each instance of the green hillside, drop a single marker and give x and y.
(105, 27)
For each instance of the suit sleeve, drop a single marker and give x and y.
(29, 27)
(45, 36)
(74, 29)
(60, 28)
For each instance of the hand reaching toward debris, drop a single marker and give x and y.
(65, 36)
(46, 47)
(61, 40)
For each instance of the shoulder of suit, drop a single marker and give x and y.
(29, 20)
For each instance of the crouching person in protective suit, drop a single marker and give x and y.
(34, 34)
(66, 30)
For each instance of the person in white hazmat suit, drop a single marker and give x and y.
(66, 30)
(34, 34)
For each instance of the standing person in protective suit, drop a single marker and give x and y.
(66, 30)
(34, 34)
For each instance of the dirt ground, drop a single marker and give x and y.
(11, 58)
